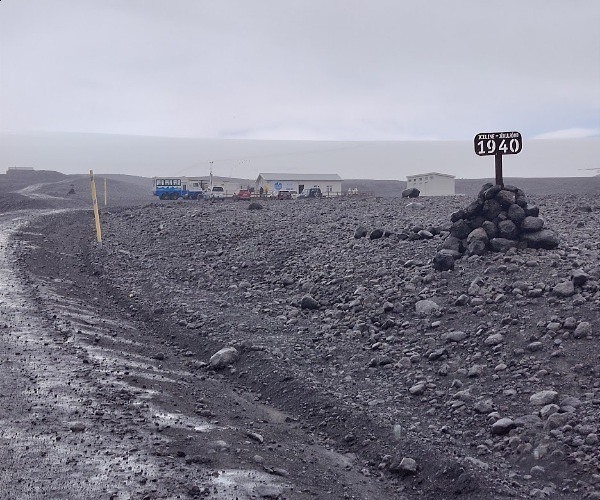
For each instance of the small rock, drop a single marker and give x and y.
(360, 232)
(426, 307)
(77, 427)
(308, 302)
(543, 398)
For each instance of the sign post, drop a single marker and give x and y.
(498, 144)
(95, 206)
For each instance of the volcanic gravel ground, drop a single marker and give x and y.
(376, 375)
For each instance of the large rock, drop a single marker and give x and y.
(476, 247)
(545, 239)
(411, 193)
(443, 260)
(507, 229)
(532, 210)
(516, 213)
(503, 426)
(532, 224)
(506, 198)
(460, 229)
(223, 358)
(491, 209)
(453, 243)
(478, 234)
(502, 244)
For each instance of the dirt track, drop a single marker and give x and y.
(322, 403)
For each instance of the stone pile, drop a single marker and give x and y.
(499, 219)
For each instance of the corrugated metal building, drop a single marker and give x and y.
(432, 184)
(272, 183)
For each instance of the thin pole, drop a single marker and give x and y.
(498, 162)
(105, 191)
(95, 205)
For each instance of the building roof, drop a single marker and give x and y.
(299, 177)
(430, 173)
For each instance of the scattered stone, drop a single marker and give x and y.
(543, 398)
(455, 336)
(584, 329)
(406, 466)
(223, 358)
(443, 261)
(564, 289)
(376, 234)
(308, 302)
(579, 277)
(360, 232)
(503, 426)
(545, 239)
(426, 307)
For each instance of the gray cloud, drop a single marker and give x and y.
(300, 69)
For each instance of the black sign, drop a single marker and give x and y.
(498, 143)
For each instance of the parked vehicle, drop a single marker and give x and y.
(172, 188)
(242, 194)
(294, 194)
(313, 192)
(214, 193)
(284, 195)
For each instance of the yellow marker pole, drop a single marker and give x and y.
(95, 204)
(105, 191)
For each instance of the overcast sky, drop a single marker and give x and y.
(301, 69)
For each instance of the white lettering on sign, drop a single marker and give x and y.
(498, 143)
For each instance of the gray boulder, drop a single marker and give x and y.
(376, 234)
(564, 289)
(223, 358)
(443, 260)
(460, 229)
(545, 239)
(507, 229)
(411, 193)
(516, 213)
(506, 198)
(502, 244)
(532, 224)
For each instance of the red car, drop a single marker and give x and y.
(242, 194)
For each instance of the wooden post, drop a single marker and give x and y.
(95, 205)
(498, 162)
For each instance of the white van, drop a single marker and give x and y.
(214, 193)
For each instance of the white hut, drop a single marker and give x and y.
(432, 184)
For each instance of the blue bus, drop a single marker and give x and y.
(172, 188)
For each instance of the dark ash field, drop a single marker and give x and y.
(352, 369)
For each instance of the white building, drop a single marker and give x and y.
(330, 184)
(432, 184)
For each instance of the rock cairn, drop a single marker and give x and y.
(499, 219)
